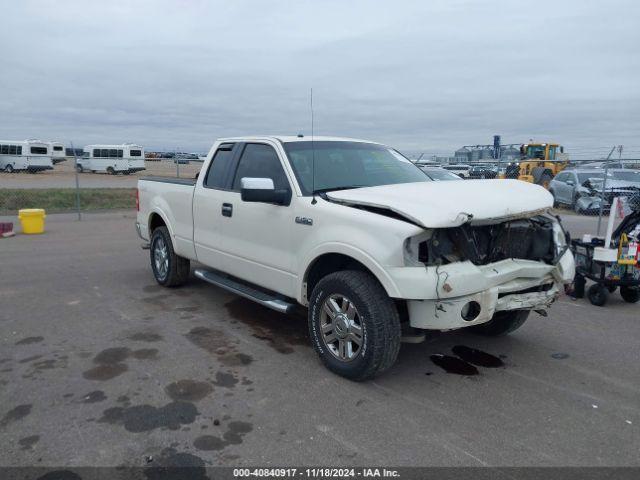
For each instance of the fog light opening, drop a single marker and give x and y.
(470, 311)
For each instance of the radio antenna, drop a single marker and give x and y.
(313, 157)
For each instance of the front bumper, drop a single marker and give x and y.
(437, 296)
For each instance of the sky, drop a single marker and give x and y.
(422, 76)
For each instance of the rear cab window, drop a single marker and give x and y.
(216, 174)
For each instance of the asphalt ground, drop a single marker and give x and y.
(99, 366)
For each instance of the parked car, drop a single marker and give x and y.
(356, 233)
(459, 169)
(439, 174)
(581, 189)
(483, 171)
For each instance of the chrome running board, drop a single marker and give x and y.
(246, 291)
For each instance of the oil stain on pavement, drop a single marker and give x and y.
(15, 414)
(145, 418)
(466, 360)
(279, 330)
(29, 340)
(174, 465)
(188, 390)
(110, 362)
(216, 343)
(233, 436)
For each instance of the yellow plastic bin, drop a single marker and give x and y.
(32, 220)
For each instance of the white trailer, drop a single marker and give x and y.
(57, 152)
(113, 159)
(25, 155)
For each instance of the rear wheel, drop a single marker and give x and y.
(111, 171)
(630, 294)
(169, 269)
(79, 168)
(502, 323)
(354, 325)
(8, 168)
(598, 294)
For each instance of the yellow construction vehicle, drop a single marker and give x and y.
(540, 162)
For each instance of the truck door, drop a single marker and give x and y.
(253, 240)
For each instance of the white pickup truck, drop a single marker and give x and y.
(360, 236)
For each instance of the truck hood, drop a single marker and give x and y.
(450, 204)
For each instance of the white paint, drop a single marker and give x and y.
(261, 243)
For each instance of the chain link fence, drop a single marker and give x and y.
(64, 189)
(584, 188)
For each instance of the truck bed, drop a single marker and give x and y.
(178, 181)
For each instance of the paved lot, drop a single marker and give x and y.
(100, 366)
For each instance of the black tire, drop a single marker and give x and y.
(545, 179)
(79, 168)
(8, 168)
(579, 283)
(111, 171)
(177, 269)
(376, 314)
(598, 294)
(502, 323)
(630, 294)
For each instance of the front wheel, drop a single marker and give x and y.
(111, 171)
(630, 294)
(169, 269)
(502, 323)
(354, 325)
(79, 168)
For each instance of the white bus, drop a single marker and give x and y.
(26, 155)
(113, 159)
(57, 152)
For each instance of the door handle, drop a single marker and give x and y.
(227, 209)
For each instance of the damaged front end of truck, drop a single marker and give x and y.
(519, 264)
(484, 246)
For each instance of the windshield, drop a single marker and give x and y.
(628, 176)
(535, 151)
(440, 174)
(341, 165)
(583, 177)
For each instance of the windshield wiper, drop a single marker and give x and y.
(333, 189)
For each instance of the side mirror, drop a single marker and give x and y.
(262, 190)
(570, 183)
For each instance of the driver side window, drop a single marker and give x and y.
(260, 161)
